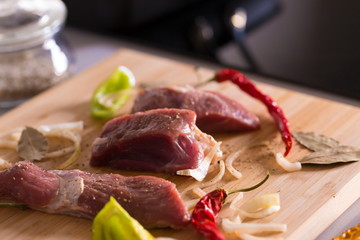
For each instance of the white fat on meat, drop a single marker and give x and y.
(70, 189)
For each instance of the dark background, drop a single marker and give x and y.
(313, 43)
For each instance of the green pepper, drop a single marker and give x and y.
(20, 205)
(113, 93)
(114, 223)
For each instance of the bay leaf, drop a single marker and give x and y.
(315, 142)
(332, 155)
(32, 145)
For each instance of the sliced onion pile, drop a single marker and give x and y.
(258, 207)
(69, 130)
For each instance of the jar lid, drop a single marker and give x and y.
(28, 23)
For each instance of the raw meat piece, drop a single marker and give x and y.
(215, 112)
(161, 140)
(153, 201)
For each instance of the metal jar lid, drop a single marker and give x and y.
(28, 23)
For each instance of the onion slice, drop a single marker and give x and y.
(218, 177)
(74, 137)
(68, 130)
(229, 164)
(235, 201)
(200, 172)
(261, 206)
(246, 236)
(191, 204)
(60, 152)
(252, 228)
(198, 191)
(260, 214)
(262, 202)
(71, 126)
(286, 165)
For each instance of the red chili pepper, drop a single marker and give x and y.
(275, 111)
(203, 218)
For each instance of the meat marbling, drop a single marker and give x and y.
(160, 140)
(153, 201)
(215, 112)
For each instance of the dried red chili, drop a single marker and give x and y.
(275, 111)
(203, 218)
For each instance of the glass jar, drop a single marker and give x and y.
(32, 55)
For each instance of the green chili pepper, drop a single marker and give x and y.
(20, 205)
(113, 93)
(114, 223)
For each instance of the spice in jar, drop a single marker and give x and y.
(23, 75)
(32, 56)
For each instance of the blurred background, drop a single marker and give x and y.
(313, 43)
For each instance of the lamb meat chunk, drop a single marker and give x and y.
(27, 184)
(160, 140)
(153, 201)
(215, 112)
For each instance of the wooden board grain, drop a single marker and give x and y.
(311, 199)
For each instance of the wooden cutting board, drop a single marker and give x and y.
(311, 199)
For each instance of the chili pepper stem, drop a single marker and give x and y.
(200, 84)
(253, 187)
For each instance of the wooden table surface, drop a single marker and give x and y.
(311, 199)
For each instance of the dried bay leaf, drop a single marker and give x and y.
(32, 145)
(315, 142)
(332, 155)
(326, 150)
